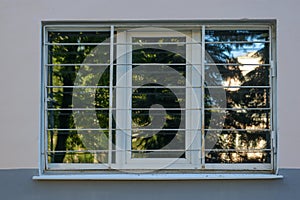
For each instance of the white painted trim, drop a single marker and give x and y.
(145, 177)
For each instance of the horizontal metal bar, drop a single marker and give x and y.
(77, 44)
(144, 129)
(120, 44)
(78, 151)
(156, 87)
(78, 64)
(114, 129)
(158, 43)
(235, 109)
(158, 64)
(134, 109)
(163, 150)
(129, 109)
(236, 64)
(263, 130)
(132, 129)
(237, 150)
(124, 150)
(128, 64)
(158, 109)
(76, 129)
(92, 87)
(157, 129)
(76, 109)
(129, 87)
(256, 86)
(81, 133)
(237, 42)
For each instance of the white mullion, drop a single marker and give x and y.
(111, 71)
(188, 102)
(128, 97)
(195, 92)
(121, 105)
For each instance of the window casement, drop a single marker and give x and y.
(159, 96)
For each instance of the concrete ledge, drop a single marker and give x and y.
(158, 177)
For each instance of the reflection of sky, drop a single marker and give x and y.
(243, 50)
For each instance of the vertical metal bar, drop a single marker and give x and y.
(271, 71)
(51, 115)
(111, 71)
(202, 97)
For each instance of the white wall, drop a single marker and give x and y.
(20, 23)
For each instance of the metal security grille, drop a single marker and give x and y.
(159, 96)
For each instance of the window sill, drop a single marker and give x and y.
(143, 177)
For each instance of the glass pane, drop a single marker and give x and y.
(237, 156)
(145, 144)
(79, 157)
(85, 146)
(237, 98)
(237, 46)
(87, 75)
(255, 53)
(81, 97)
(237, 119)
(78, 37)
(159, 87)
(79, 119)
(168, 98)
(237, 75)
(237, 146)
(236, 35)
(158, 50)
(71, 49)
(235, 139)
(157, 119)
(164, 75)
(74, 93)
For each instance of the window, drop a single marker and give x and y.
(164, 96)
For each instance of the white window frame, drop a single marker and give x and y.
(192, 162)
(124, 160)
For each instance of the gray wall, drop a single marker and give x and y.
(17, 184)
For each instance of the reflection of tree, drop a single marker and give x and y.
(232, 146)
(236, 146)
(62, 75)
(150, 94)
